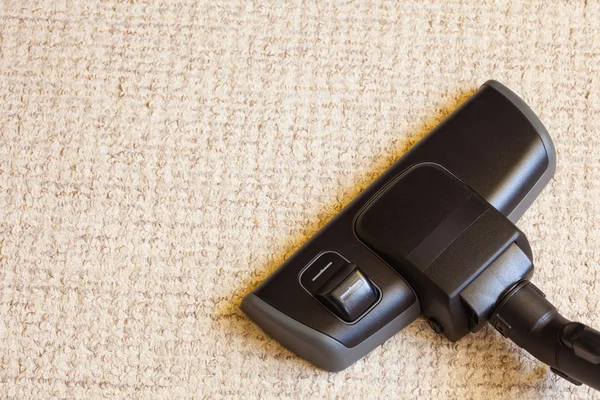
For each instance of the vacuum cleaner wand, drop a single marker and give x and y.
(571, 349)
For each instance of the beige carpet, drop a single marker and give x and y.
(159, 159)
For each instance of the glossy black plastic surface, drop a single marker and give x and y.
(440, 235)
(492, 143)
(572, 349)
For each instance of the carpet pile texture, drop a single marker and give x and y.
(158, 159)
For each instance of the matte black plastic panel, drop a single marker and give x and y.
(417, 214)
(493, 142)
(443, 234)
(439, 235)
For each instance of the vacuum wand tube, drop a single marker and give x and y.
(571, 349)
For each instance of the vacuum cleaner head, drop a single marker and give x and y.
(434, 235)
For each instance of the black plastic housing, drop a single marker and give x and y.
(495, 147)
(440, 235)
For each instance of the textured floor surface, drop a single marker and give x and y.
(159, 159)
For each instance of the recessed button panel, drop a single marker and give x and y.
(340, 286)
(323, 268)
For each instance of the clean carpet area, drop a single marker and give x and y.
(159, 159)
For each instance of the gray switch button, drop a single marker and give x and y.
(350, 297)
